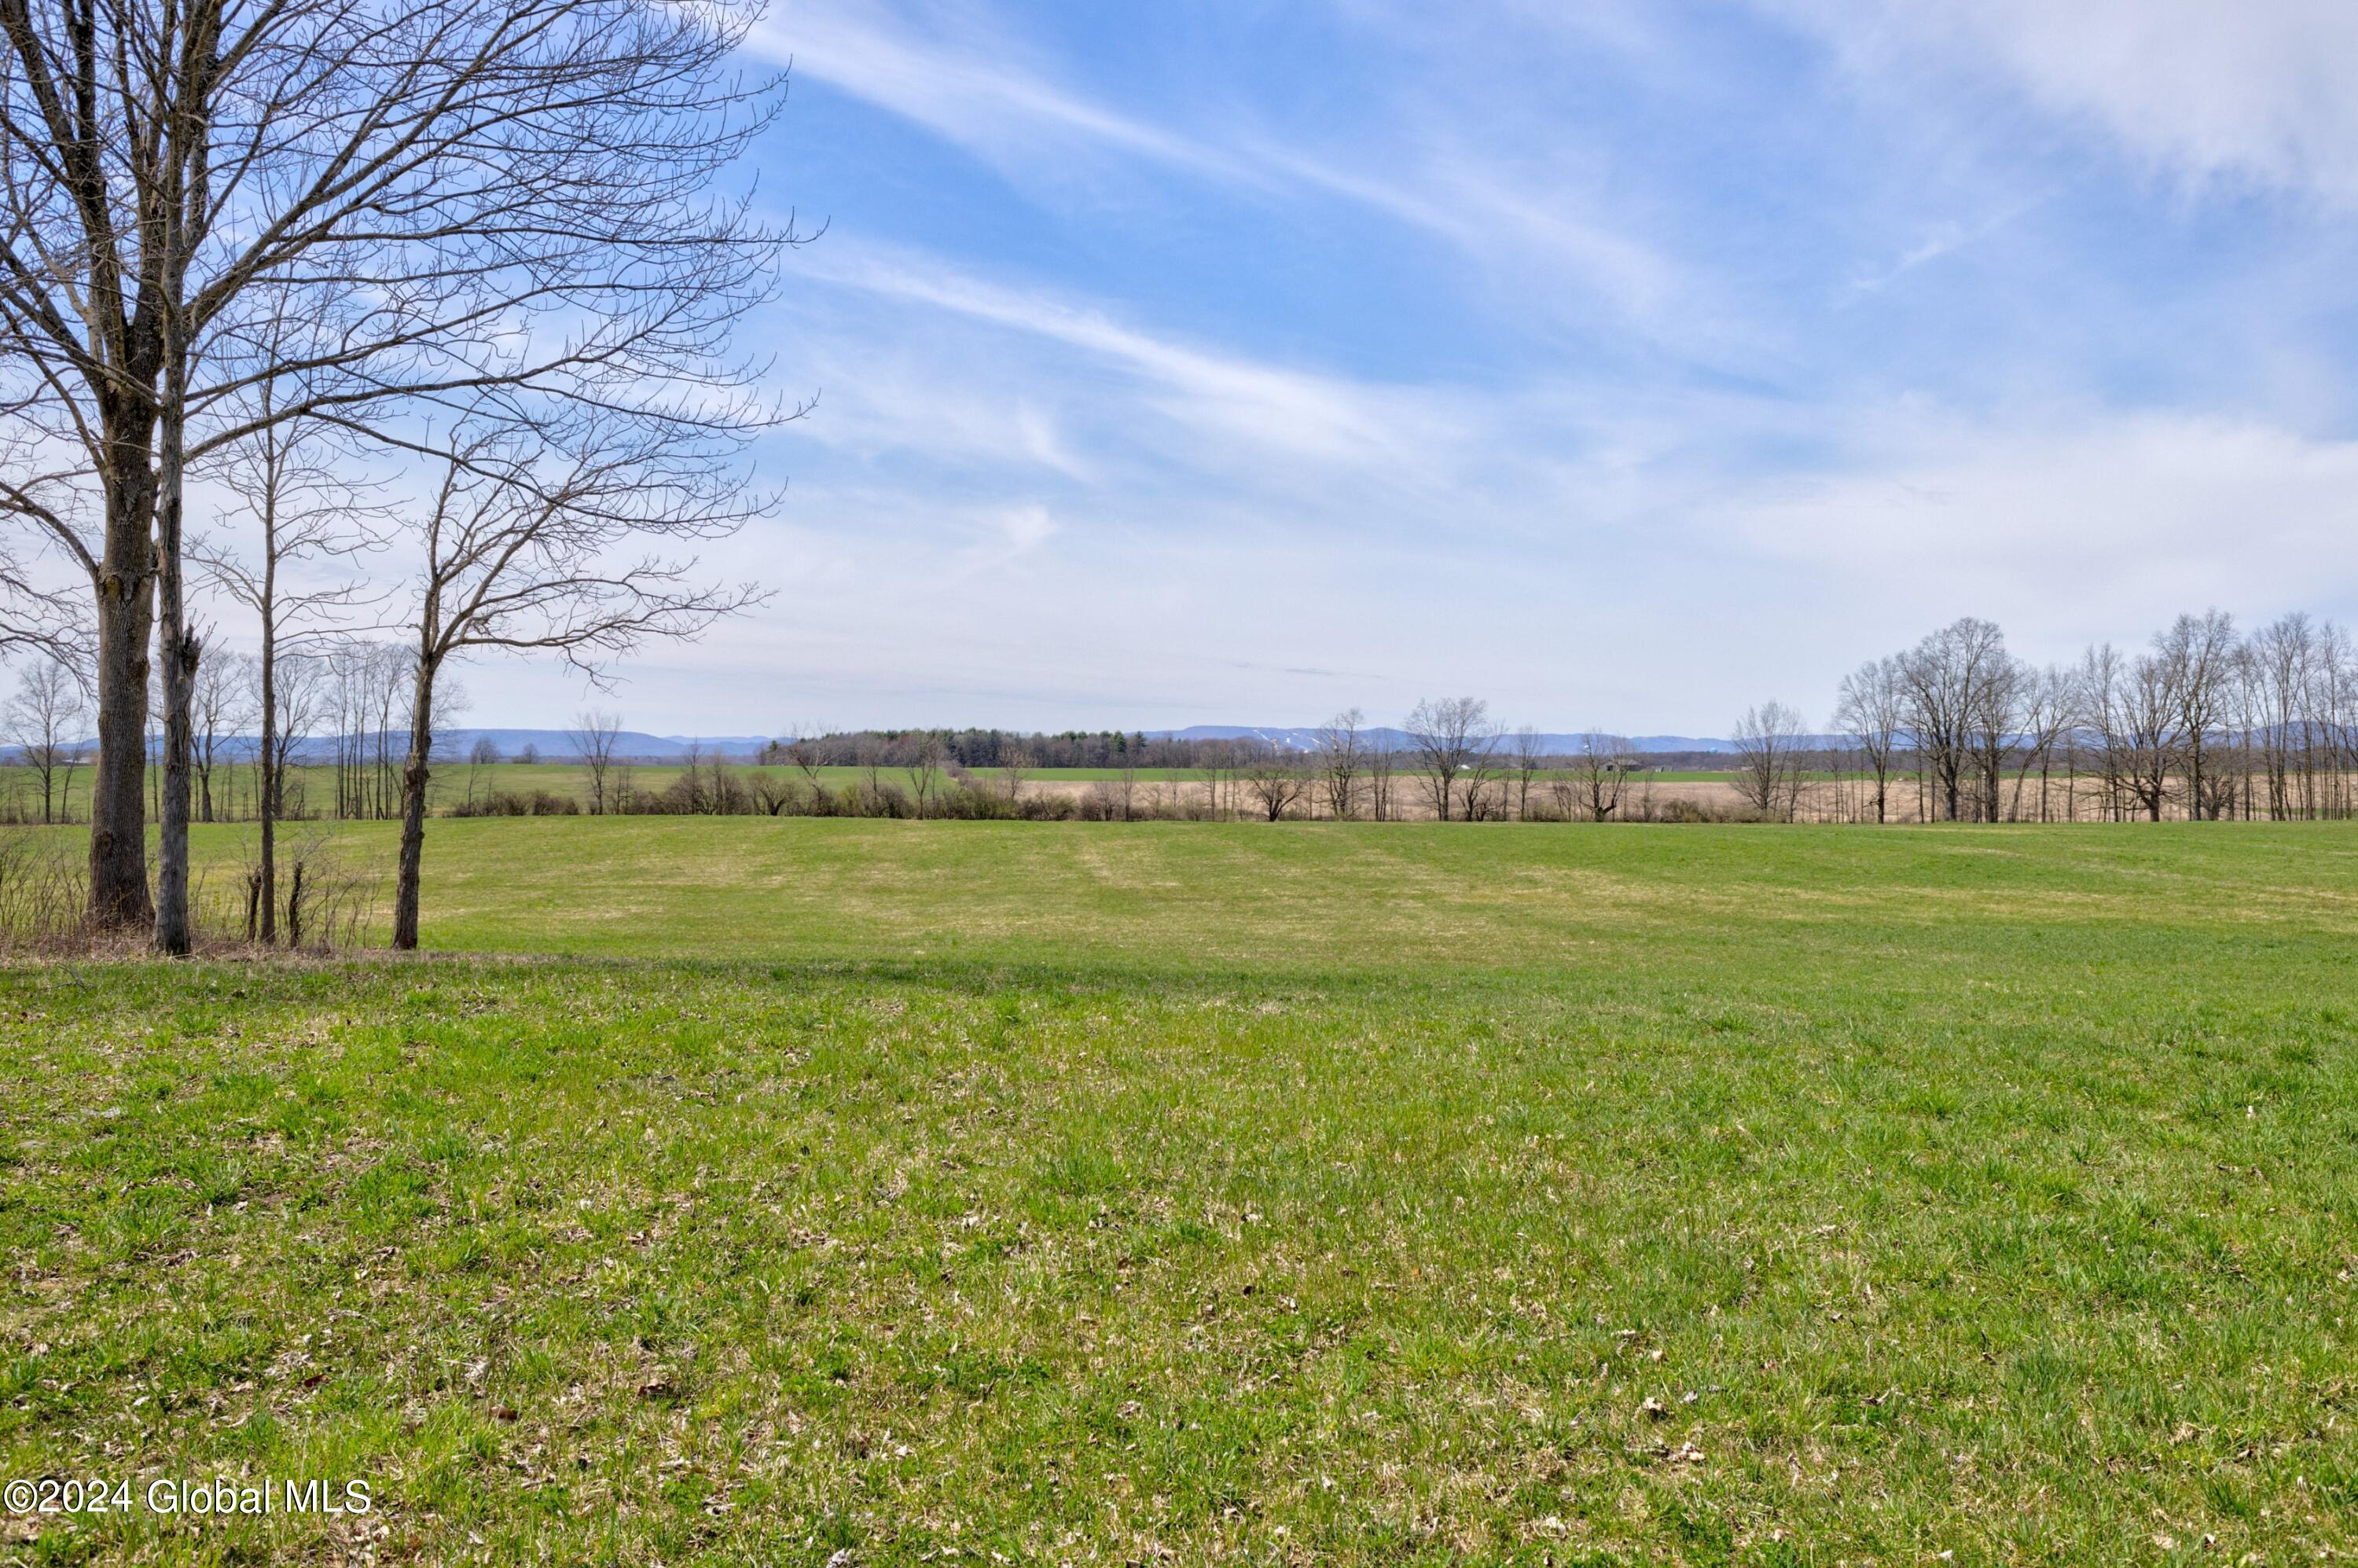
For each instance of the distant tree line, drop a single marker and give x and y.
(2204, 722)
(992, 747)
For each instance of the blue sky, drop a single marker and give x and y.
(1623, 361)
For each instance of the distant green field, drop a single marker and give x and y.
(978, 1192)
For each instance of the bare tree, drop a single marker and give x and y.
(1947, 682)
(1276, 780)
(220, 708)
(44, 721)
(1216, 759)
(2130, 708)
(870, 758)
(808, 756)
(1451, 735)
(2046, 711)
(1527, 751)
(1994, 711)
(508, 199)
(1481, 791)
(2282, 659)
(1014, 765)
(2196, 658)
(2098, 711)
(1873, 710)
(722, 793)
(521, 553)
(596, 732)
(302, 709)
(1342, 758)
(295, 512)
(687, 788)
(1769, 773)
(1601, 764)
(2333, 705)
(1383, 764)
(1127, 751)
(926, 756)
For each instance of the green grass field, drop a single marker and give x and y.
(946, 1192)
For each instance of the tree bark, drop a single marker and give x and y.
(180, 653)
(127, 606)
(413, 775)
(267, 773)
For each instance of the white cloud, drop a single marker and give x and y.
(2075, 528)
(1213, 397)
(2255, 90)
(882, 396)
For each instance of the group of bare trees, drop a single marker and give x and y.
(2203, 722)
(1450, 760)
(1958, 711)
(317, 249)
(1454, 753)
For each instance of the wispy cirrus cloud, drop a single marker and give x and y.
(1211, 396)
(953, 70)
(973, 91)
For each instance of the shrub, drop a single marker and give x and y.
(1679, 809)
(509, 803)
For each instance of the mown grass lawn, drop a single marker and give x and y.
(1189, 1192)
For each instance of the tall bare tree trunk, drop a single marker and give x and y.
(413, 775)
(180, 653)
(267, 777)
(126, 607)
